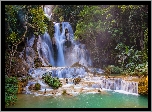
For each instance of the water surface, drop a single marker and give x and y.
(110, 100)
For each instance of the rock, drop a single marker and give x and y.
(20, 87)
(31, 87)
(19, 67)
(77, 64)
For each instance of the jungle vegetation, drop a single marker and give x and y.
(115, 35)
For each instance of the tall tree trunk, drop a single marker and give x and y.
(35, 49)
(35, 43)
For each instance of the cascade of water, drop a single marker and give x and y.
(45, 50)
(70, 72)
(129, 86)
(116, 84)
(68, 55)
(59, 43)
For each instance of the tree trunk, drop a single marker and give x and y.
(35, 43)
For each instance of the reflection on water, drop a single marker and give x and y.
(111, 100)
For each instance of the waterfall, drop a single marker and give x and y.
(59, 42)
(65, 56)
(61, 52)
(45, 49)
(117, 84)
(67, 53)
(129, 86)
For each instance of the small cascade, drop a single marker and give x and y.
(129, 86)
(69, 72)
(117, 84)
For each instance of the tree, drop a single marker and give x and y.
(102, 27)
(67, 13)
(21, 21)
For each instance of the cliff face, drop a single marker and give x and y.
(26, 59)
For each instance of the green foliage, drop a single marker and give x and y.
(11, 88)
(102, 27)
(93, 20)
(13, 30)
(37, 86)
(108, 70)
(21, 21)
(116, 70)
(68, 13)
(37, 20)
(129, 58)
(19, 16)
(54, 82)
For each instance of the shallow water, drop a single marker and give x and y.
(110, 100)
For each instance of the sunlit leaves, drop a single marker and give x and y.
(17, 15)
(38, 19)
(13, 38)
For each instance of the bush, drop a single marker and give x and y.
(37, 86)
(54, 82)
(11, 88)
(116, 70)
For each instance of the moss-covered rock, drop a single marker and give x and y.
(77, 80)
(37, 62)
(37, 86)
(22, 82)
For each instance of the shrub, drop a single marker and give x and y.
(37, 86)
(54, 82)
(11, 88)
(116, 70)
